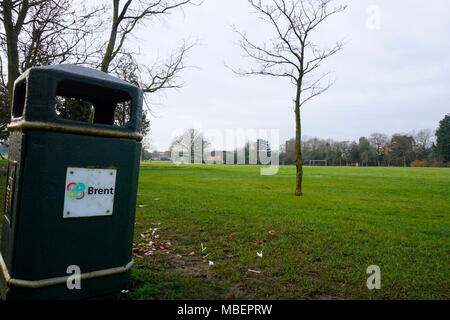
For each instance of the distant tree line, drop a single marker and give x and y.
(421, 149)
(418, 149)
(191, 146)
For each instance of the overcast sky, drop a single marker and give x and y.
(394, 79)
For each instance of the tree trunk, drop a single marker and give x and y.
(298, 145)
(11, 47)
(13, 66)
(106, 61)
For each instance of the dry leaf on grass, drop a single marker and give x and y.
(165, 245)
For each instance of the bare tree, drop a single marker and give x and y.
(60, 33)
(125, 19)
(423, 141)
(128, 70)
(42, 32)
(291, 54)
(13, 15)
(191, 144)
(378, 141)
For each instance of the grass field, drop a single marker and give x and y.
(349, 219)
(322, 244)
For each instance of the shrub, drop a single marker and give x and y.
(420, 163)
(438, 164)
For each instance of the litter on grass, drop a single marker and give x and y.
(149, 244)
(254, 271)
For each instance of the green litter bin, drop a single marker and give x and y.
(71, 185)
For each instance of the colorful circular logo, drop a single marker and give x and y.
(76, 190)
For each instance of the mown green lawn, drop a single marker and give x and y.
(349, 219)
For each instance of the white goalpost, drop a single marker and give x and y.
(313, 163)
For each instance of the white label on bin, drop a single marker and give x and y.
(89, 192)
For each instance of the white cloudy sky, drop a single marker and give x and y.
(395, 79)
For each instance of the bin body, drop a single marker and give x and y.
(52, 221)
